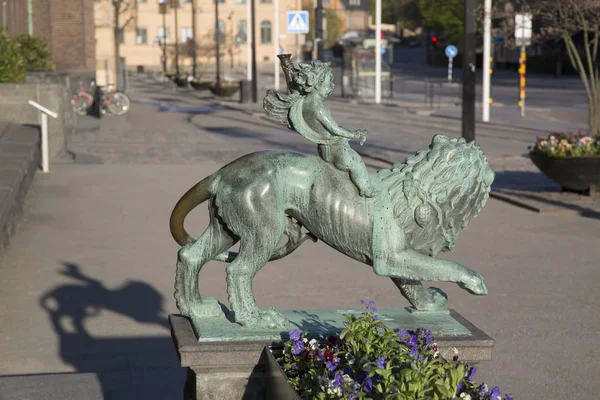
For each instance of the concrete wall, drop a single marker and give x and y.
(14, 108)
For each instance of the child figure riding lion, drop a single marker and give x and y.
(304, 111)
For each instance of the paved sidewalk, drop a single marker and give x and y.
(88, 279)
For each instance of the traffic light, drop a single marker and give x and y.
(434, 41)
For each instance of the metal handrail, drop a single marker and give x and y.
(44, 112)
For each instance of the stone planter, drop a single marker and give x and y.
(224, 90)
(576, 174)
(201, 85)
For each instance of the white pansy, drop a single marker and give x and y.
(313, 344)
(348, 380)
(465, 396)
(305, 340)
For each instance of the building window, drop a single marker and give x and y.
(326, 2)
(141, 1)
(265, 32)
(240, 1)
(187, 1)
(121, 36)
(266, 1)
(141, 36)
(242, 32)
(163, 36)
(221, 30)
(354, 3)
(220, 1)
(186, 34)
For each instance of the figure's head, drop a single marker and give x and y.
(315, 76)
(438, 190)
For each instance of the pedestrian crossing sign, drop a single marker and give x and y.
(297, 22)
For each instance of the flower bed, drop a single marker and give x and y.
(576, 144)
(370, 361)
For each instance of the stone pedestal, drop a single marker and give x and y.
(225, 361)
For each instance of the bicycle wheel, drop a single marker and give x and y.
(119, 103)
(80, 105)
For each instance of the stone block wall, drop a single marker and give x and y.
(14, 108)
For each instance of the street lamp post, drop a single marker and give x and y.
(468, 72)
(194, 55)
(217, 41)
(319, 29)
(162, 9)
(253, 29)
(175, 5)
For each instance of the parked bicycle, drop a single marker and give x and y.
(112, 102)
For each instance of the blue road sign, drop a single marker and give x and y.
(297, 22)
(383, 50)
(451, 51)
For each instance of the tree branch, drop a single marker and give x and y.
(127, 22)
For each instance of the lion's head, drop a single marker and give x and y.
(436, 192)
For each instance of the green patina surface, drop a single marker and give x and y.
(324, 323)
(396, 221)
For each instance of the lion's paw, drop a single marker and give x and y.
(263, 318)
(438, 298)
(209, 307)
(474, 284)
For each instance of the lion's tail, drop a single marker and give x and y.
(197, 195)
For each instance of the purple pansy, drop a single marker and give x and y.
(380, 362)
(338, 381)
(494, 392)
(368, 384)
(295, 335)
(297, 348)
(332, 365)
(471, 374)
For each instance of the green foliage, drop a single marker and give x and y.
(406, 12)
(13, 67)
(36, 53)
(335, 28)
(445, 17)
(370, 361)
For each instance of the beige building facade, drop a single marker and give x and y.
(142, 37)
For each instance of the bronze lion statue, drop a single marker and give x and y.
(255, 200)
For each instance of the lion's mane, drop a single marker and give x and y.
(436, 192)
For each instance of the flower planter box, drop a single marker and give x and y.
(577, 174)
(201, 85)
(224, 90)
(276, 382)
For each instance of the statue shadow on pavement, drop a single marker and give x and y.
(126, 367)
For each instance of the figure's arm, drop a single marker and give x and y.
(326, 119)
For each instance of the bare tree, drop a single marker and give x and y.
(562, 21)
(121, 9)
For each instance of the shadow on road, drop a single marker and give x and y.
(126, 367)
(534, 189)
